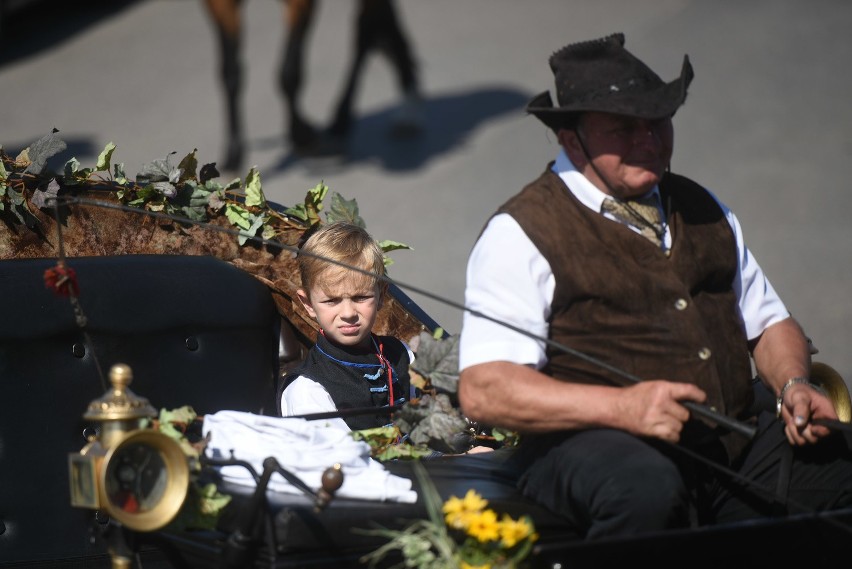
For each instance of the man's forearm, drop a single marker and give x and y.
(520, 398)
(782, 353)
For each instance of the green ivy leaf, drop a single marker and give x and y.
(156, 171)
(74, 174)
(41, 197)
(216, 199)
(104, 158)
(118, 173)
(238, 215)
(40, 151)
(166, 188)
(208, 172)
(4, 175)
(256, 223)
(233, 185)
(198, 200)
(188, 166)
(19, 206)
(146, 193)
(388, 245)
(185, 415)
(309, 211)
(16, 196)
(344, 210)
(254, 192)
(298, 211)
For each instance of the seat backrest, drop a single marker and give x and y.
(194, 330)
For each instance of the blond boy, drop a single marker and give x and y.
(349, 367)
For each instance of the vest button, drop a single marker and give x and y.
(704, 353)
(681, 304)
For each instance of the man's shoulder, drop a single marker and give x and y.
(674, 181)
(689, 197)
(543, 188)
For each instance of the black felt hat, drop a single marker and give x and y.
(600, 75)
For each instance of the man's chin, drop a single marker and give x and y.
(641, 184)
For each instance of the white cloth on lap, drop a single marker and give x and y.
(306, 449)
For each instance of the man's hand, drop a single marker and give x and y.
(800, 405)
(652, 408)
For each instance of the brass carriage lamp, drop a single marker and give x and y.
(136, 474)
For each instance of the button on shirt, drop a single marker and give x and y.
(508, 279)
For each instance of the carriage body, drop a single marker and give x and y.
(205, 323)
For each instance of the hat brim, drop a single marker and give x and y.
(652, 104)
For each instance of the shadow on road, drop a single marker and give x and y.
(449, 120)
(33, 26)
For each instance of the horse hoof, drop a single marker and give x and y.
(408, 120)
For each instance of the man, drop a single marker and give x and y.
(664, 291)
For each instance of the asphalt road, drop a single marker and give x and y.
(767, 125)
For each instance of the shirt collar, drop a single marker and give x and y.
(587, 193)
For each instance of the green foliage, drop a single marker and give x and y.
(204, 503)
(309, 210)
(424, 543)
(457, 534)
(384, 444)
(344, 210)
(37, 154)
(254, 191)
(185, 191)
(435, 420)
(388, 246)
(438, 359)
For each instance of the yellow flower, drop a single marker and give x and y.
(513, 531)
(458, 511)
(472, 502)
(459, 520)
(484, 526)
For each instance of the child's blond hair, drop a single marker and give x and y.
(344, 243)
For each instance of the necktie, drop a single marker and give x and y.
(644, 214)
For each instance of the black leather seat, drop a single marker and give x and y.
(194, 330)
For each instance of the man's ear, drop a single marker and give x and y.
(305, 299)
(569, 141)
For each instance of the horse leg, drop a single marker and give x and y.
(408, 120)
(365, 34)
(298, 18)
(377, 28)
(226, 18)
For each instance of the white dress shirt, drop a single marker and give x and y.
(510, 281)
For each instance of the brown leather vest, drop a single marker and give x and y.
(621, 300)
